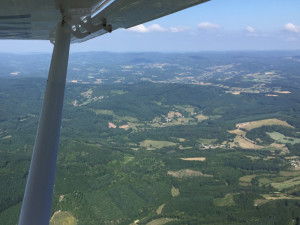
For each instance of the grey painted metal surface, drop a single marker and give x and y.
(36, 207)
(36, 19)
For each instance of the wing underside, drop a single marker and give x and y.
(37, 19)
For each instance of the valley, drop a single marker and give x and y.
(223, 149)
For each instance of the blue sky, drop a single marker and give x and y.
(215, 25)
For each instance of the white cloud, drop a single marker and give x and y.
(178, 29)
(291, 27)
(156, 27)
(250, 29)
(139, 28)
(143, 29)
(208, 26)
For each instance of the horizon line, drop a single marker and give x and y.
(161, 52)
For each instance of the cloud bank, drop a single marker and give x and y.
(143, 29)
(208, 26)
(157, 28)
(292, 28)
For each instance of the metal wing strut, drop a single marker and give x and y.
(36, 207)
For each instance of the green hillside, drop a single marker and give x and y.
(130, 153)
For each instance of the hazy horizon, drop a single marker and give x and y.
(160, 52)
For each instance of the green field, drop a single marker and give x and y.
(283, 139)
(152, 144)
(226, 201)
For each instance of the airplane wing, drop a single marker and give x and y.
(37, 19)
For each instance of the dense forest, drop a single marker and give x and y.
(160, 153)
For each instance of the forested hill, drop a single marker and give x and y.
(161, 153)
